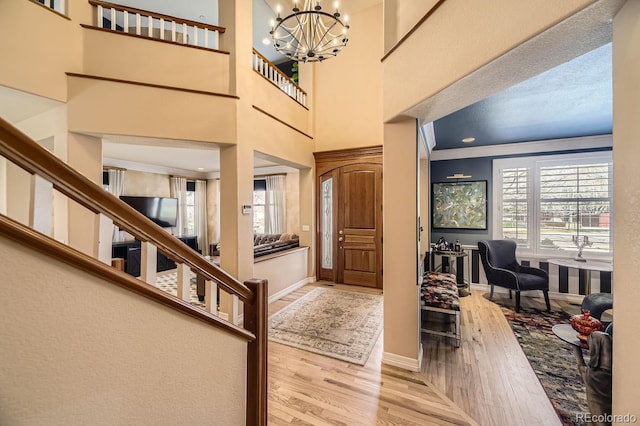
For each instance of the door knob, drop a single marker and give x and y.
(340, 232)
(340, 239)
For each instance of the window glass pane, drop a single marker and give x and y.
(327, 224)
(515, 211)
(575, 202)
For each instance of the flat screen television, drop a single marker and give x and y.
(161, 210)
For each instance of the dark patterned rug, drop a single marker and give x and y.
(552, 360)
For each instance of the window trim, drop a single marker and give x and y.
(534, 164)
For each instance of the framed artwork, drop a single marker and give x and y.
(459, 205)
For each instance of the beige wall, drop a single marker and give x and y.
(83, 351)
(38, 59)
(626, 197)
(105, 107)
(138, 59)
(293, 202)
(145, 184)
(401, 311)
(401, 16)
(491, 28)
(347, 100)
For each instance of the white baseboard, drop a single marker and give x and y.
(411, 364)
(554, 295)
(293, 287)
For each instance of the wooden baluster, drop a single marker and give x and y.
(113, 19)
(148, 262)
(195, 35)
(173, 31)
(100, 17)
(103, 238)
(126, 22)
(40, 205)
(150, 29)
(161, 28)
(206, 37)
(184, 33)
(138, 24)
(211, 297)
(184, 282)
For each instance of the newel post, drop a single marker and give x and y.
(256, 321)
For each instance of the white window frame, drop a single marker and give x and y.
(534, 164)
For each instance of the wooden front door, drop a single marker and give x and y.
(349, 220)
(360, 225)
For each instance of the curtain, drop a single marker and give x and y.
(116, 187)
(200, 216)
(178, 188)
(275, 205)
(213, 188)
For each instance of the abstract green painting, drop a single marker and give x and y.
(459, 205)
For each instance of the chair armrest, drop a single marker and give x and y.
(499, 275)
(533, 271)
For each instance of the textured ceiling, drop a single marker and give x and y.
(570, 100)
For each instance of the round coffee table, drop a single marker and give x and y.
(567, 334)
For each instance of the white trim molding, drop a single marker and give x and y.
(411, 364)
(293, 287)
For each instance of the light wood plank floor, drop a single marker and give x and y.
(489, 376)
(487, 381)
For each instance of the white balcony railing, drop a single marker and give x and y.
(269, 71)
(144, 23)
(57, 5)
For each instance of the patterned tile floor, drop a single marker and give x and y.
(168, 281)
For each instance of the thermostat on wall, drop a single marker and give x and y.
(246, 209)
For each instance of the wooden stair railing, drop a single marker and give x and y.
(36, 160)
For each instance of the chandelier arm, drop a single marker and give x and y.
(328, 30)
(301, 27)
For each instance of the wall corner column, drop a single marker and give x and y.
(400, 271)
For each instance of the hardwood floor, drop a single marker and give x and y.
(489, 376)
(487, 381)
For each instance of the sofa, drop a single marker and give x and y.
(264, 244)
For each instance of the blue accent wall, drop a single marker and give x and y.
(479, 169)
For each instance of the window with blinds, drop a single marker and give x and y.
(515, 205)
(547, 202)
(575, 201)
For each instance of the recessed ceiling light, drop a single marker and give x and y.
(266, 41)
(468, 140)
(200, 169)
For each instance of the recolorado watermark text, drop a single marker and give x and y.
(606, 418)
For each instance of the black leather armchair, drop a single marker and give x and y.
(502, 269)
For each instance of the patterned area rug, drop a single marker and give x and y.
(552, 360)
(168, 281)
(339, 324)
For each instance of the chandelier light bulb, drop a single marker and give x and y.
(336, 4)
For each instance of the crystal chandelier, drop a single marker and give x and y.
(309, 34)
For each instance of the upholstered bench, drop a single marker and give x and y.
(439, 293)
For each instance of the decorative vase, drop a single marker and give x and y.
(585, 324)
